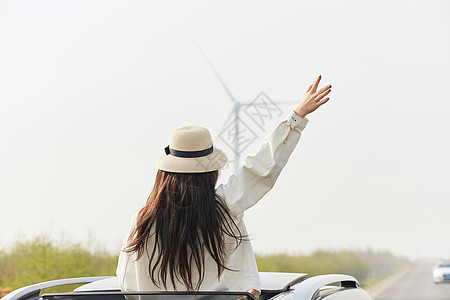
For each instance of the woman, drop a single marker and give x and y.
(190, 235)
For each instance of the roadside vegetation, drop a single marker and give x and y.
(41, 259)
(367, 266)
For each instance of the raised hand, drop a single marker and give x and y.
(313, 98)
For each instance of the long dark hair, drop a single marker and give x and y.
(185, 217)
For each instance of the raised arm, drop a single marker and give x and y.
(259, 173)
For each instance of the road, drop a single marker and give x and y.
(417, 284)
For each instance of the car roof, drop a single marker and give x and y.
(270, 282)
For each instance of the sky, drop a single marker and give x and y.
(90, 92)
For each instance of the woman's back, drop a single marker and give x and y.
(135, 276)
(183, 214)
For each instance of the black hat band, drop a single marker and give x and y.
(188, 154)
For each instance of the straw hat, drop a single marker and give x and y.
(191, 151)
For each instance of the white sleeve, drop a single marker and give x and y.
(259, 173)
(126, 270)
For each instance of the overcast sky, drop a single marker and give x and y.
(90, 92)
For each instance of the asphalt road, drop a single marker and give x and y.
(417, 284)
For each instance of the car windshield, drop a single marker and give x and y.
(150, 296)
(446, 265)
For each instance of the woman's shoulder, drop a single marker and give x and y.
(133, 221)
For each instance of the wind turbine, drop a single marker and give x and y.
(235, 112)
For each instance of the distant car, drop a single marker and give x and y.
(441, 271)
(279, 286)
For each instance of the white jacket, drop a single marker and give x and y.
(243, 190)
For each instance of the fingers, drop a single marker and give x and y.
(324, 89)
(321, 95)
(324, 101)
(309, 88)
(316, 84)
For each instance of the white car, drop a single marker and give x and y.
(441, 271)
(279, 286)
